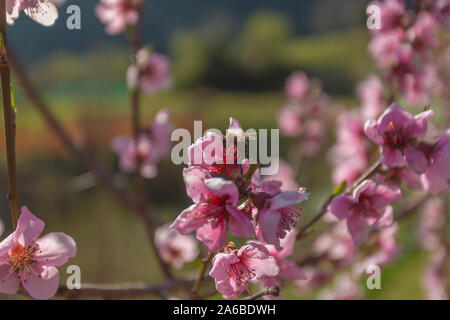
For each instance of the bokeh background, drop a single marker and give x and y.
(229, 58)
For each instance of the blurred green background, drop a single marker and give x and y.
(229, 58)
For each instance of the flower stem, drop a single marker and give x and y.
(201, 275)
(9, 120)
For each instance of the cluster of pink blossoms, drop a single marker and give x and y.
(305, 112)
(25, 258)
(404, 44)
(233, 197)
(152, 145)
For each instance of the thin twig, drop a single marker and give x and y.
(9, 119)
(123, 290)
(270, 291)
(201, 275)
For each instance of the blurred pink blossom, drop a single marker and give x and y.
(346, 287)
(371, 93)
(368, 207)
(26, 258)
(297, 85)
(432, 222)
(150, 73)
(233, 269)
(289, 121)
(214, 210)
(175, 249)
(396, 132)
(117, 14)
(392, 13)
(434, 276)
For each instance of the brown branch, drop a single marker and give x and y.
(201, 275)
(123, 290)
(270, 291)
(9, 120)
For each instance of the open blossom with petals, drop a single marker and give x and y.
(175, 249)
(276, 214)
(150, 73)
(396, 176)
(117, 14)
(214, 210)
(422, 34)
(372, 97)
(368, 206)
(44, 12)
(287, 270)
(209, 153)
(297, 85)
(397, 131)
(26, 258)
(233, 269)
(436, 177)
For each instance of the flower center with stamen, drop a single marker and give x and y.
(394, 137)
(21, 259)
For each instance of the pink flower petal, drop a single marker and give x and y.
(416, 160)
(42, 286)
(9, 283)
(213, 235)
(340, 206)
(357, 227)
(55, 249)
(29, 227)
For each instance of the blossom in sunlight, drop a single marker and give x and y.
(26, 258)
(117, 14)
(436, 177)
(297, 85)
(276, 214)
(214, 210)
(397, 133)
(233, 270)
(209, 153)
(287, 270)
(150, 72)
(368, 207)
(44, 12)
(174, 248)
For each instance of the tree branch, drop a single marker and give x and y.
(270, 291)
(9, 119)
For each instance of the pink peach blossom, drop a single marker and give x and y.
(346, 287)
(285, 175)
(233, 269)
(44, 12)
(150, 73)
(397, 131)
(434, 276)
(175, 249)
(277, 214)
(297, 85)
(436, 177)
(117, 14)
(368, 206)
(26, 258)
(214, 210)
(387, 49)
(287, 270)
